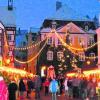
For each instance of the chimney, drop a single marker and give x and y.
(58, 5)
(10, 5)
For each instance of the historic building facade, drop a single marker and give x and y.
(7, 34)
(77, 33)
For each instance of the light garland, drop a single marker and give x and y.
(29, 47)
(23, 62)
(28, 61)
(73, 48)
(14, 70)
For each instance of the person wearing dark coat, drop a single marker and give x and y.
(30, 87)
(22, 89)
(12, 88)
(37, 86)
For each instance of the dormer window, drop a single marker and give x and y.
(86, 28)
(54, 25)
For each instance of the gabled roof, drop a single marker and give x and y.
(91, 31)
(21, 37)
(98, 30)
(71, 27)
(66, 13)
(34, 30)
(7, 17)
(45, 30)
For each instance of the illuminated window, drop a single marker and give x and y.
(71, 40)
(86, 28)
(50, 55)
(59, 55)
(81, 57)
(92, 55)
(81, 41)
(50, 40)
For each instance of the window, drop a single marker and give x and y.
(59, 55)
(81, 41)
(86, 28)
(70, 40)
(50, 40)
(91, 41)
(81, 56)
(92, 55)
(50, 55)
(9, 37)
(59, 43)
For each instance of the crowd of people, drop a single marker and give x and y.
(82, 88)
(78, 88)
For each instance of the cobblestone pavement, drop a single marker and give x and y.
(43, 97)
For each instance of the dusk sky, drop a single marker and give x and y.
(31, 13)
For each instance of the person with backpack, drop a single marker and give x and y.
(54, 88)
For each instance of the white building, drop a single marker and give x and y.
(7, 34)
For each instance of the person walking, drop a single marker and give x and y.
(75, 84)
(12, 88)
(46, 86)
(66, 87)
(37, 86)
(22, 89)
(54, 88)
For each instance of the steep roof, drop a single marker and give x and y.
(66, 13)
(7, 17)
(21, 37)
(98, 30)
(44, 30)
(71, 27)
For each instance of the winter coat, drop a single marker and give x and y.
(3, 91)
(66, 85)
(46, 83)
(53, 86)
(37, 83)
(12, 91)
(22, 87)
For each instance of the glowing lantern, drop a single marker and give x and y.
(43, 71)
(8, 61)
(88, 62)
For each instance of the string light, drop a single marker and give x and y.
(28, 61)
(23, 62)
(73, 48)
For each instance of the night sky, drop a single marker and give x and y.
(31, 13)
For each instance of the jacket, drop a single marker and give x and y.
(53, 86)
